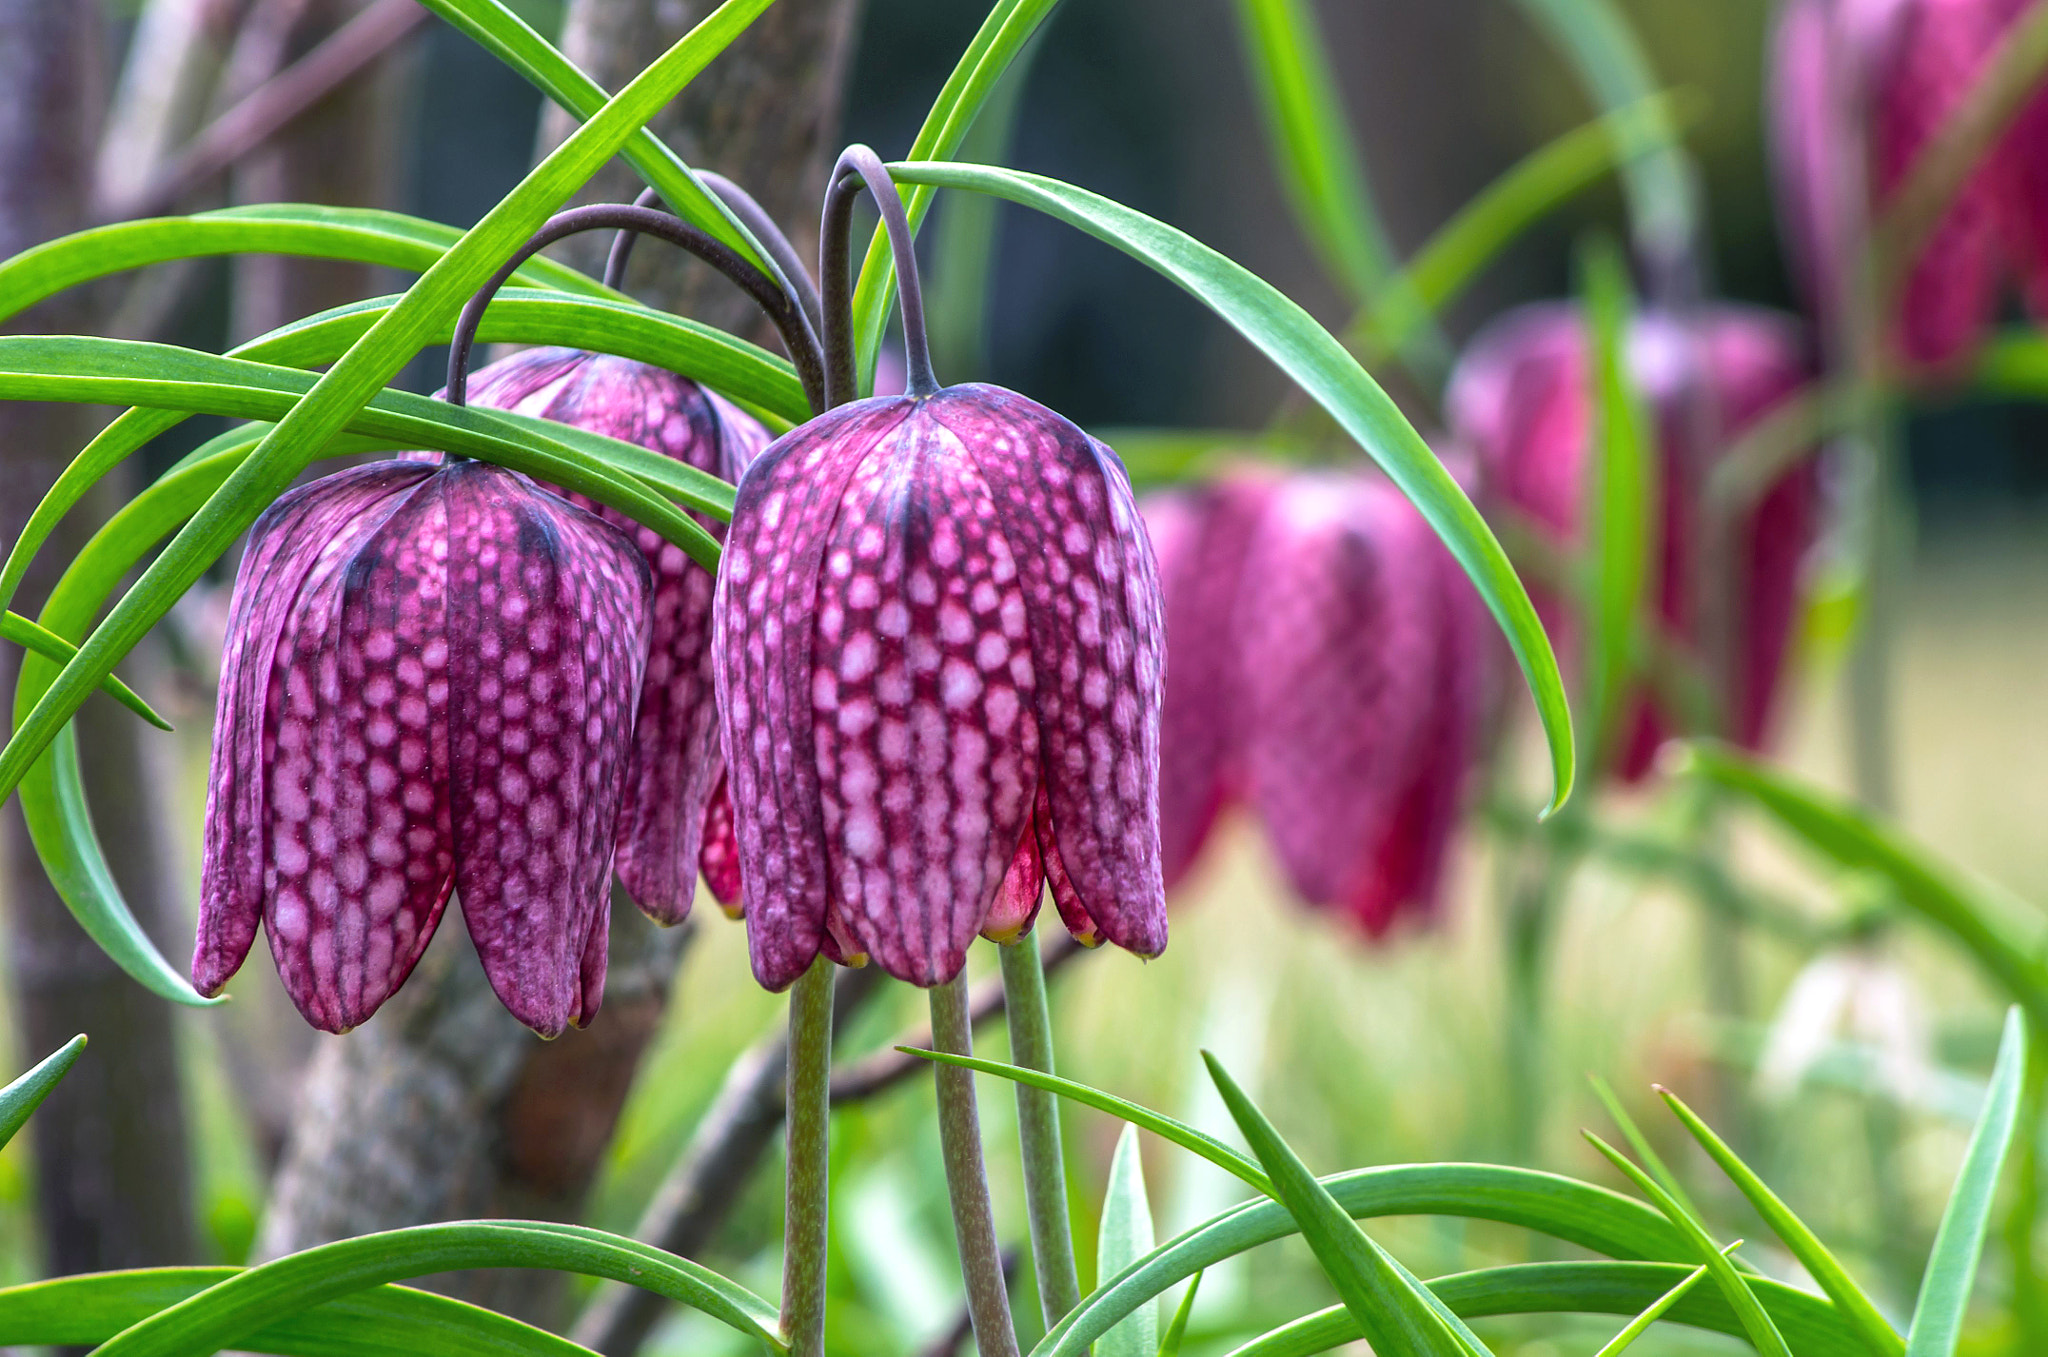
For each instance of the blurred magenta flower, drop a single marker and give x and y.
(938, 656)
(428, 687)
(677, 763)
(1521, 399)
(1201, 535)
(1884, 75)
(1362, 684)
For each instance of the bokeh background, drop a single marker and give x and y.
(1363, 1052)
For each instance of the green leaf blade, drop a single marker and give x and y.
(26, 1094)
(1124, 1237)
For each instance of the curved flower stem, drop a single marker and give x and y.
(789, 319)
(807, 1188)
(860, 168)
(781, 255)
(1038, 1130)
(981, 1262)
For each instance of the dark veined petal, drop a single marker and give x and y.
(922, 692)
(764, 618)
(2022, 171)
(277, 717)
(676, 757)
(1091, 597)
(719, 859)
(1340, 609)
(547, 637)
(1200, 537)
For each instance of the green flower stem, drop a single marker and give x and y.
(981, 1261)
(1038, 1130)
(807, 1191)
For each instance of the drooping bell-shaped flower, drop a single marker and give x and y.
(428, 687)
(677, 763)
(1521, 399)
(1201, 535)
(1362, 688)
(938, 656)
(1885, 75)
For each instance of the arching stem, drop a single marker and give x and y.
(981, 1260)
(788, 266)
(860, 168)
(798, 337)
(806, 1189)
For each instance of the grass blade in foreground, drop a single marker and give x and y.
(1813, 1255)
(1165, 1127)
(1125, 1237)
(82, 1311)
(1958, 1244)
(1391, 1312)
(1169, 1346)
(1970, 912)
(26, 1094)
(1756, 1322)
(39, 638)
(363, 371)
(1640, 1143)
(1640, 1325)
(1322, 367)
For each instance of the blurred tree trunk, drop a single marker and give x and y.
(443, 1106)
(112, 1177)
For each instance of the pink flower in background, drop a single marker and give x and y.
(664, 833)
(1362, 679)
(1885, 74)
(1521, 398)
(428, 687)
(938, 656)
(1201, 535)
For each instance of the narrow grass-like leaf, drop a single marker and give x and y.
(1529, 190)
(1321, 366)
(1821, 1265)
(1309, 136)
(1640, 1325)
(362, 372)
(1001, 38)
(1125, 1236)
(1579, 1213)
(385, 1321)
(1391, 1313)
(1640, 1143)
(1169, 1346)
(228, 1311)
(1973, 913)
(1756, 1322)
(494, 27)
(1952, 1264)
(1165, 1127)
(26, 1093)
(1809, 1322)
(358, 235)
(1618, 494)
(35, 636)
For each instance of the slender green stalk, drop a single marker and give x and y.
(1038, 1130)
(1531, 907)
(807, 1190)
(2029, 1285)
(974, 1225)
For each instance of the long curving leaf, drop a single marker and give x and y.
(31, 635)
(385, 1321)
(1124, 1237)
(494, 27)
(1165, 1127)
(1579, 1213)
(26, 1093)
(1856, 1307)
(362, 373)
(1952, 1265)
(1973, 913)
(359, 235)
(999, 41)
(228, 1311)
(1322, 367)
(1604, 1288)
(1756, 1321)
(1392, 1312)
(1619, 493)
